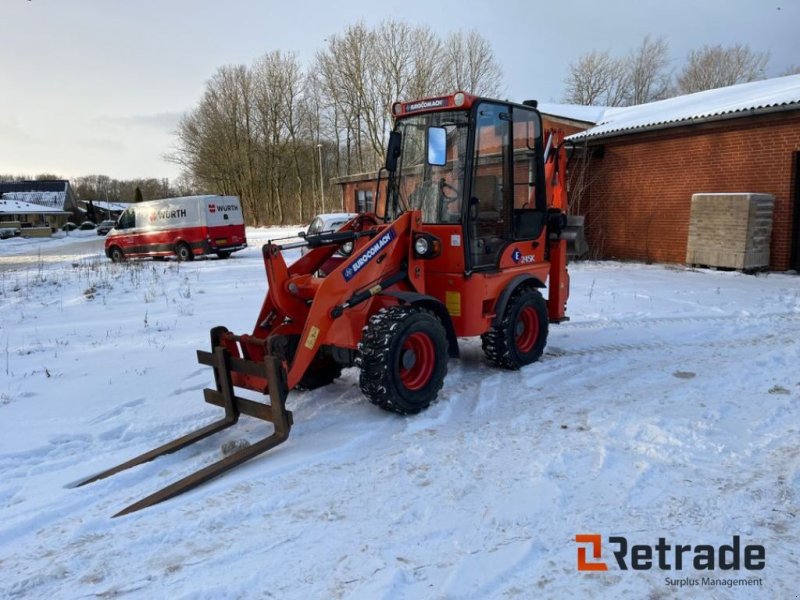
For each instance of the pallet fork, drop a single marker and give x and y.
(226, 367)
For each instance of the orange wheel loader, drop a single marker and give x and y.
(465, 236)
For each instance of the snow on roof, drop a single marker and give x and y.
(780, 93)
(11, 206)
(54, 200)
(574, 112)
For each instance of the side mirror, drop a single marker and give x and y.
(437, 146)
(301, 234)
(393, 150)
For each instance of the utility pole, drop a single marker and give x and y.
(321, 180)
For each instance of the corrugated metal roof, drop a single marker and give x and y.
(20, 207)
(757, 96)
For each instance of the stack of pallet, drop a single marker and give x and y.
(730, 231)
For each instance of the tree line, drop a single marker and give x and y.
(646, 73)
(104, 188)
(276, 132)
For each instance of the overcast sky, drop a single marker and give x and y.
(96, 86)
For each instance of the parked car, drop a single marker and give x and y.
(68, 226)
(6, 233)
(105, 226)
(87, 226)
(330, 222)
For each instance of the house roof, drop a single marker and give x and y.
(770, 95)
(52, 193)
(10, 206)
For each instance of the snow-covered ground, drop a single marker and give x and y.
(667, 407)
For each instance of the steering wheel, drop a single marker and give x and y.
(444, 187)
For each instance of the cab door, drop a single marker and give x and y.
(507, 201)
(488, 215)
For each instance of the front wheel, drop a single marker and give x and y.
(520, 337)
(403, 357)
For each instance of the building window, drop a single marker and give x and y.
(364, 201)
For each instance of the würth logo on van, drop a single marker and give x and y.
(167, 213)
(212, 208)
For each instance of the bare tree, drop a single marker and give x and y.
(596, 78)
(642, 76)
(648, 76)
(714, 66)
(260, 132)
(469, 64)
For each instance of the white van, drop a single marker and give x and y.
(181, 227)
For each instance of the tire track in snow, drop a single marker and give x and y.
(756, 340)
(646, 322)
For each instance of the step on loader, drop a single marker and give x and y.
(465, 234)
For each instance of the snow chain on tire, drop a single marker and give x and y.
(386, 380)
(500, 342)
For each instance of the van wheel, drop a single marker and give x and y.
(184, 252)
(223, 254)
(116, 254)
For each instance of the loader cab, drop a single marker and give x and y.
(472, 164)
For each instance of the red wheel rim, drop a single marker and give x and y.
(527, 329)
(417, 359)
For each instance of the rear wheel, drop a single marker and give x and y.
(184, 252)
(223, 254)
(520, 337)
(116, 254)
(403, 356)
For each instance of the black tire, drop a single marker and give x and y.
(403, 359)
(183, 252)
(223, 254)
(520, 337)
(322, 371)
(116, 254)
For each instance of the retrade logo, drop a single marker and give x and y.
(672, 557)
(595, 542)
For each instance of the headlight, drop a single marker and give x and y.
(421, 246)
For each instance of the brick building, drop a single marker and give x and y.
(645, 162)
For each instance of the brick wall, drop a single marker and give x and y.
(640, 194)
